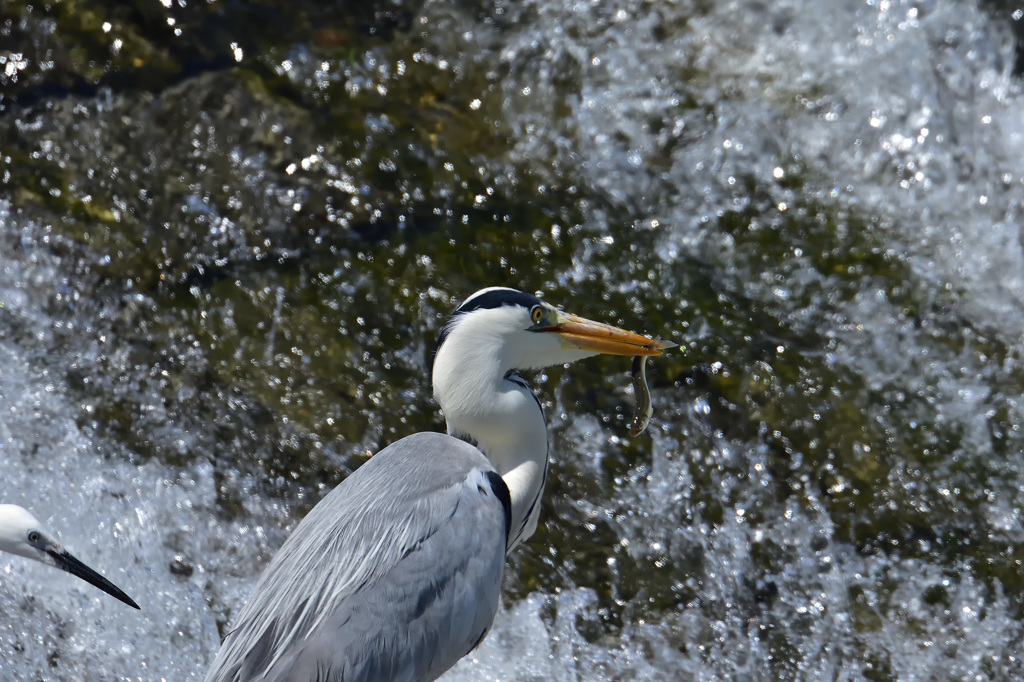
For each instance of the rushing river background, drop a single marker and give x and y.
(229, 234)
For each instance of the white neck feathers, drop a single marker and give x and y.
(479, 400)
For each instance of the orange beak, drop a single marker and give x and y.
(603, 338)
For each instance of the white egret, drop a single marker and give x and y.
(396, 573)
(23, 535)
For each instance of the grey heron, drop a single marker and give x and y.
(23, 535)
(396, 573)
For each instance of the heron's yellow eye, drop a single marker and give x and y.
(537, 314)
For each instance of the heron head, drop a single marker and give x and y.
(23, 535)
(521, 331)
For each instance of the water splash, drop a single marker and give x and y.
(718, 557)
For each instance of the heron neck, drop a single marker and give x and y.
(504, 418)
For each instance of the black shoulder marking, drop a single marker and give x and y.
(501, 492)
(495, 298)
(477, 642)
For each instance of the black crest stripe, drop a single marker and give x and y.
(496, 298)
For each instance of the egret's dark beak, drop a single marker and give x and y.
(597, 337)
(66, 562)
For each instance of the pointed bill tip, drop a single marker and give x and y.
(65, 561)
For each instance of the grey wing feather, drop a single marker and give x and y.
(394, 575)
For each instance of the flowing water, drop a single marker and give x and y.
(229, 234)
